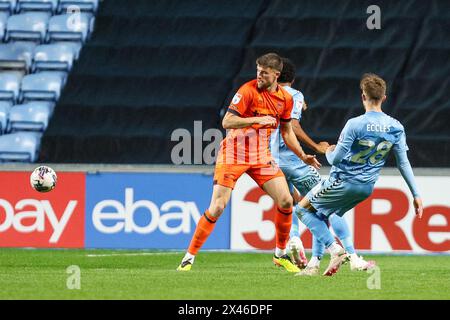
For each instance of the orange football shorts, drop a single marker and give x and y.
(227, 174)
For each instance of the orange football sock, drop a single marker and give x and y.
(204, 228)
(283, 222)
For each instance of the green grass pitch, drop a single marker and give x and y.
(118, 274)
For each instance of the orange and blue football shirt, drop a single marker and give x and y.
(250, 145)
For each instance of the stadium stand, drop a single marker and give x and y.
(3, 19)
(4, 115)
(10, 86)
(17, 56)
(37, 5)
(33, 116)
(53, 57)
(42, 86)
(8, 5)
(30, 26)
(149, 69)
(40, 43)
(84, 5)
(153, 67)
(19, 147)
(333, 48)
(68, 27)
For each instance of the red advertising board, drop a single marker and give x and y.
(385, 222)
(42, 220)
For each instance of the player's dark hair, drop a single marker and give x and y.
(373, 86)
(270, 60)
(288, 73)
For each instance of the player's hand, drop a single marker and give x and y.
(305, 106)
(312, 161)
(322, 147)
(267, 121)
(418, 206)
(331, 148)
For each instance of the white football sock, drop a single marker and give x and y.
(314, 262)
(188, 256)
(280, 252)
(335, 249)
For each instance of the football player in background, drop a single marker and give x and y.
(258, 107)
(304, 177)
(356, 160)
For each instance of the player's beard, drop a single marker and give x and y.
(264, 85)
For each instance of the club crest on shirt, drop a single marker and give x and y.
(237, 98)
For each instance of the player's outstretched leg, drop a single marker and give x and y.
(204, 228)
(304, 179)
(221, 196)
(319, 229)
(342, 231)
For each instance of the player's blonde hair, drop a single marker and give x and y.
(373, 86)
(270, 60)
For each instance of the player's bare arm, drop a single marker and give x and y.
(418, 206)
(303, 137)
(406, 171)
(292, 143)
(232, 121)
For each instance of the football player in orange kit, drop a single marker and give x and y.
(258, 107)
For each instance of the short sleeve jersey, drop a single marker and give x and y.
(251, 144)
(367, 140)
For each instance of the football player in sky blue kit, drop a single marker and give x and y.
(304, 177)
(356, 160)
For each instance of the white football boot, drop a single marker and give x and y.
(298, 255)
(357, 263)
(336, 261)
(309, 271)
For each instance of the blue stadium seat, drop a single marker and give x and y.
(3, 20)
(84, 5)
(8, 5)
(69, 27)
(5, 107)
(76, 47)
(58, 56)
(16, 56)
(42, 86)
(32, 116)
(30, 26)
(37, 5)
(10, 86)
(20, 147)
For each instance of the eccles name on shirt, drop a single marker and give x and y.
(378, 127)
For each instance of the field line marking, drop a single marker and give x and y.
(132, 254)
